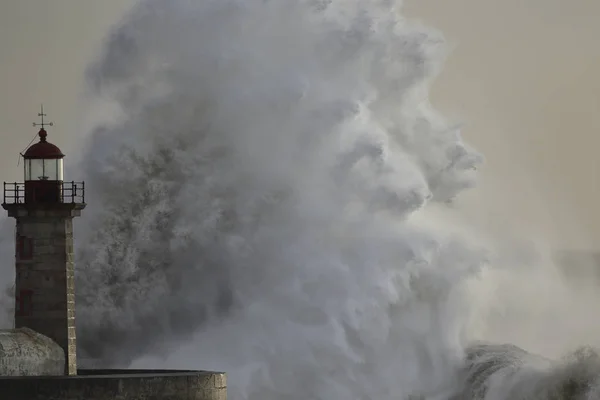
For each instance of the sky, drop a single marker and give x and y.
(522, 76)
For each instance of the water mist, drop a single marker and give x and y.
(264, 181)
(251, 196)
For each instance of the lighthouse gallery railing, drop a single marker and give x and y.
(69, 192)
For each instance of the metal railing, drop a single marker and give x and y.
(22, 193)
(14, 193)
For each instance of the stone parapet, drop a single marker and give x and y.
(119, 385)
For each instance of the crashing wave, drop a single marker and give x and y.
(256, 198)
(507, 372)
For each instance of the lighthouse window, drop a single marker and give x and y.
(59, 169)
(43, 169)
(36, 170)
(24, 248)
(23, 303)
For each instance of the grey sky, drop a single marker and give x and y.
(523, 77)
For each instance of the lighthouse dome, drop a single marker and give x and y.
(43, 149)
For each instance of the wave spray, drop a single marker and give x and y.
(261, 175)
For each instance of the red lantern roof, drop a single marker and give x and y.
(43, 149)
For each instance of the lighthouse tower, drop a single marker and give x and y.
(44, 206)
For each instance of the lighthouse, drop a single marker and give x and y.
(38, 359)
(43, 206)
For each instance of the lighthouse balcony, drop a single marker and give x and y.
(44, 192)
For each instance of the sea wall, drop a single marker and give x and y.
(118, 385)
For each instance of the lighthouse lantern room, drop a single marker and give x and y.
(43, 171)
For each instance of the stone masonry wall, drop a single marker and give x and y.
(45, 279)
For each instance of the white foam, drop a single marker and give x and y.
(249, 208)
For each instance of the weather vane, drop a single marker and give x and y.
(42, 115)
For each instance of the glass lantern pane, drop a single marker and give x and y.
(50, 169)
(27, 170)
(59, 167)
(44, 169)
(36, 170)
